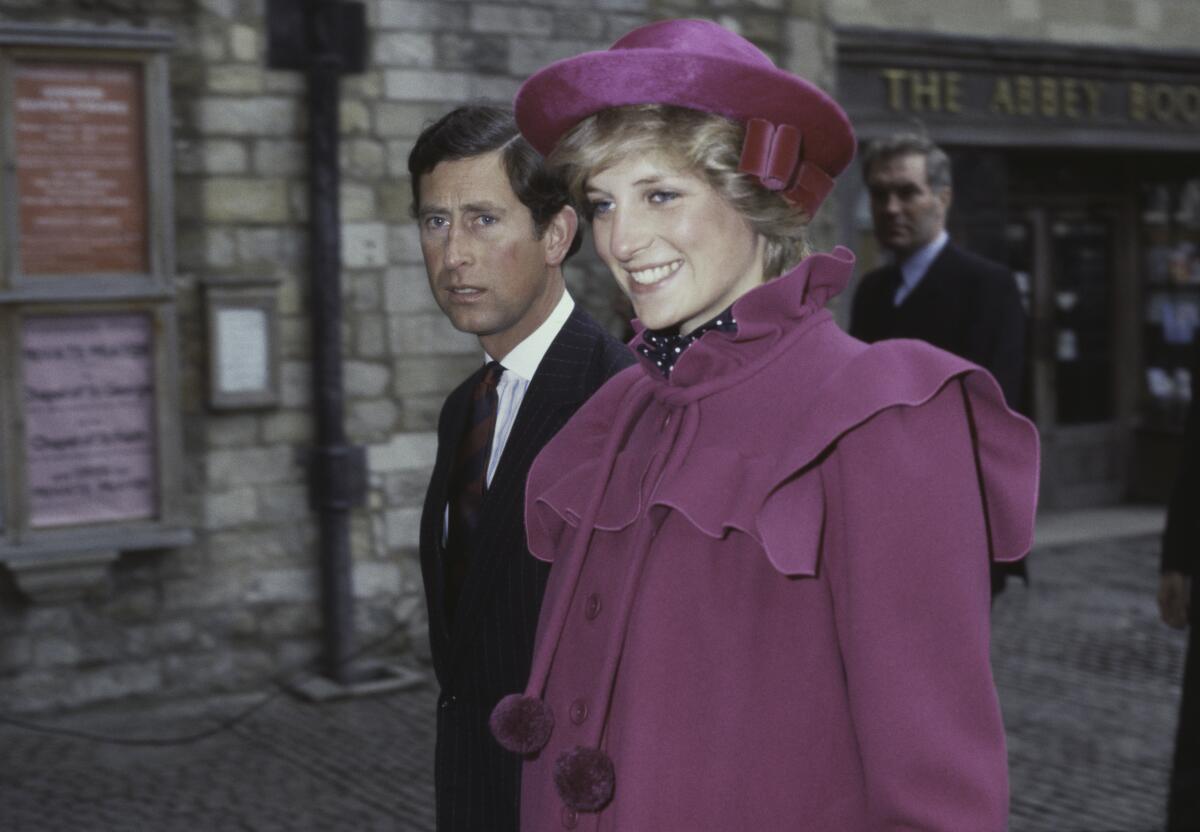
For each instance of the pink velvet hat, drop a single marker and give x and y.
(797, 137)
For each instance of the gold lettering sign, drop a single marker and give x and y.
(81, 185)
(1039, 97)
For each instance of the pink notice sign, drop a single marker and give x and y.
(81, 183)
(89, 418)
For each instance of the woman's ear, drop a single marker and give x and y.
(559, 234)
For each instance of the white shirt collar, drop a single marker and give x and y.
(915, 266)
(524, 358)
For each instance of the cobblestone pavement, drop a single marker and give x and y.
(1088, 681)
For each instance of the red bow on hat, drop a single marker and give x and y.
(775, 155)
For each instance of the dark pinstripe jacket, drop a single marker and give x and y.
(486, 654)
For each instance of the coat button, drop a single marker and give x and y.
(570, 818)
(447, 701)
(592, 608)
(579, 711)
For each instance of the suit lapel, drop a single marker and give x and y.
(553, 395)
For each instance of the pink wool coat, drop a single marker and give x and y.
(769, 601)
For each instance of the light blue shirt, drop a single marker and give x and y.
(914, 268)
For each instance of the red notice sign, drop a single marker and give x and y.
(81, 181)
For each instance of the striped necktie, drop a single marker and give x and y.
(469, 481)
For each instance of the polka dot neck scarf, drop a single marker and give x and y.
(664, 348)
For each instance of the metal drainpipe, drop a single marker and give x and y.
(337, 469)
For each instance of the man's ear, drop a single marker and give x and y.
(559, 233)
(945, 196)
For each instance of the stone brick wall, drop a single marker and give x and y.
(230, 611)
(1153, 24)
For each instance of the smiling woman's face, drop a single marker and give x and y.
(678, 250)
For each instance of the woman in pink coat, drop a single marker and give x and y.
(769, 602)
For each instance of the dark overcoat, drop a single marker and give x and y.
(965, 304)
(1181, 553)
(486, 652)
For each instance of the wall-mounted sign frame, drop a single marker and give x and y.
(243, 344)
(90, 435)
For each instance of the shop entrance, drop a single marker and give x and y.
(1069, 256)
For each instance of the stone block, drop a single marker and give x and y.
(251, 466)
(295, 384)
(403, 452)
(407, 120)
(270, 246)
(403, 528)
(55, 651)
(405, 489)
(366, 294)
(623, 5)
(280, 157)
(414, 15)
(283, 503)
(364, 245)
(225, 9)
(511, 20)
(529, 55)
(805, 55)
(403, 49)
(227, 509)
(495, 90)
(243, 43)
(394, 202)
(235, 79)
(370, 337)
(281, 586)
(420, 411)
(256, 116)
(427, 85)
(373, 579)
(1148, 14)
(429, 334)
(372, 418)
(405, 243)
(406, 290)
(287, 426)
(16, 653)
(230, 430)
(111, 682)
(223, 156)
(354, 117)
(285, 82)
(362, 158)
(474, 52)
(574, 23)
(433, 373)
(365, 379)
(294, 338)
(228, 199)
(620, 24)
(357, 202)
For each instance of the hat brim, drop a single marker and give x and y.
(559, 96)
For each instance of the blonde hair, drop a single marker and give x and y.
(705, 143)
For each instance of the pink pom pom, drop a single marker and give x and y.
(584, 778)
(522, 724)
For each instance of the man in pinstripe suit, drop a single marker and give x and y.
(495, 229)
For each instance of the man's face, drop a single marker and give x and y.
(487, 270)
(906, 211)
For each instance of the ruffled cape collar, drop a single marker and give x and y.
(770, 317)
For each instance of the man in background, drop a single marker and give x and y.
(495, 229)
(933, 290)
